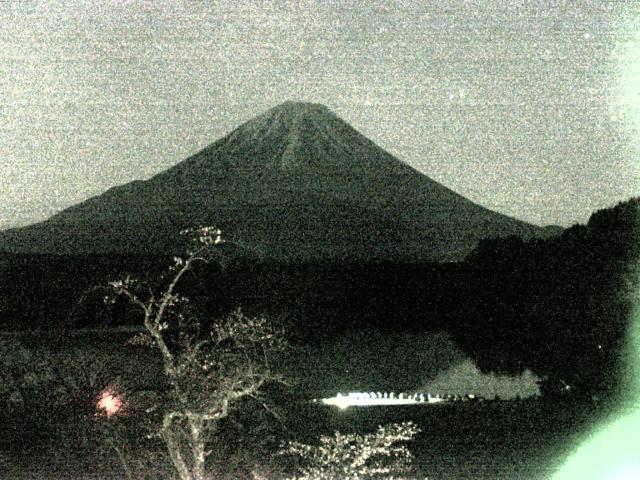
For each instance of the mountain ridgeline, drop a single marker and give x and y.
(296, 183)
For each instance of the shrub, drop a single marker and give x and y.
(382, 454)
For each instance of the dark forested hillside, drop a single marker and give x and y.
(560, 306)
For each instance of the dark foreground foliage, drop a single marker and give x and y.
(64, 436)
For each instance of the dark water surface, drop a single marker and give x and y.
(525, 439)
(491, 440)
(504, 440)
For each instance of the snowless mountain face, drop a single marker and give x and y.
(295, 183)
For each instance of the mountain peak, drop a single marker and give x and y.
(292, 112)
(294, 183)
(297, 106)
(290, 128)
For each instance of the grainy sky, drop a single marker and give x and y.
(531, 108)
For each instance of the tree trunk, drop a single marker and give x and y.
(196, 425)
(174, 448)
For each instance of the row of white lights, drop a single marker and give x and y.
(364, 399)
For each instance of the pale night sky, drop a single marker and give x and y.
(528, 108)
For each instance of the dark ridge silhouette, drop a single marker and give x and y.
(296, 183)
(560, 307)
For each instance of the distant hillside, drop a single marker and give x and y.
(561, 307)
(295, 183)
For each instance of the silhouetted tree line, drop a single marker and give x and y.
(560, 306)
(314, 300)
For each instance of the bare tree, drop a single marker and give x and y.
(207, 372)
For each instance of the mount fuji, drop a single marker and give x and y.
(296, 183)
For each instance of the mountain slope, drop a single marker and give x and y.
(295, 183)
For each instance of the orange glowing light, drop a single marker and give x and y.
(109, 402)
